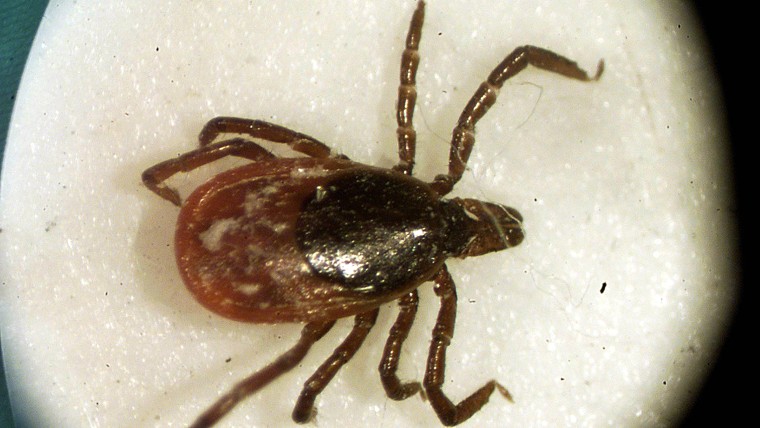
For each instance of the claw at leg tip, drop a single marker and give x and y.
(505, 393)
(599, 69)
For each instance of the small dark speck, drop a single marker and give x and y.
(156, 48)
(562, 379)
(228, 360)
(604, 286)
(664, 382)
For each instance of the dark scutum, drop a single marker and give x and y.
(374, 231)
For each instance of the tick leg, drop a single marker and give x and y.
(311, 333)
(464, 133)
(155, 176)
(389, 363)
(449, 413)
(298, 142)
(304, 408)
(407, 93)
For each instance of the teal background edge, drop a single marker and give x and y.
(19, 20)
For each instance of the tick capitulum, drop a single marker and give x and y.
(318, 238)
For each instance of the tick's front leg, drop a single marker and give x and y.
(449, 413)
(463, 137)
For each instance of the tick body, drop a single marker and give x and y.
(308, 239)
(316, 238)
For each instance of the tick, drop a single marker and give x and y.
(318, 237)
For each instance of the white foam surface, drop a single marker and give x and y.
(621, 182)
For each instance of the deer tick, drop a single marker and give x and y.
(315, 238)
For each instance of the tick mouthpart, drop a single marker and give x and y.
(495, 227)
(506, 222)
(511, 227)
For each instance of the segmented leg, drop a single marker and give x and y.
(155, 176)
(398, 334)
(407, 93)
(449, 413)
(301, 143)
(464, 133)
(311, 333)
(318, 381)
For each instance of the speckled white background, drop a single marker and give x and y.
(620, 182)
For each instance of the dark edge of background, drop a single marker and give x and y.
(724, 396)
(19, 20)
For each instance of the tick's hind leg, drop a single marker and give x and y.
(310, 334)
(448, 412)
(155, 176)
(304, 408)
(407, 93)
(398, 334)
(298, 142)
(463, 137)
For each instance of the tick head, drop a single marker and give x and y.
(495, 227)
